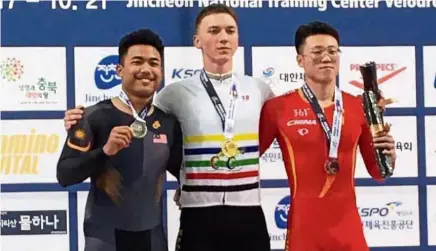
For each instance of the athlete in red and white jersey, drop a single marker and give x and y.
(323, 214)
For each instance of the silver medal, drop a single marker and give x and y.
(139, 129)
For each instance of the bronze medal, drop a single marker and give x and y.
(332, 166)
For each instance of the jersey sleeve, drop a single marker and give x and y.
(176, 155)
(79, 158)
(366, 146)
(165, 99)
(268, 129)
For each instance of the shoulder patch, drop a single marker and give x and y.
(79, 139)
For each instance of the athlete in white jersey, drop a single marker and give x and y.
(219, 114)
(219, 168)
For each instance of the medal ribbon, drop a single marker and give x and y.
(333, 136)
(141, 117)
(227, 118)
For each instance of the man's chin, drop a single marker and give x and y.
(325, 79)
(145, 93)
(223, 59)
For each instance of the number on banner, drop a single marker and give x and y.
(10, 5)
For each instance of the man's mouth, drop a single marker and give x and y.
(223, 49)
(145, 80)
(326, 67)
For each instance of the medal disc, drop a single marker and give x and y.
(332, 166)
(139, 129)
(229, 148)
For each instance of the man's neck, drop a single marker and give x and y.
(324, 92)
(139, 103)
(219, 69)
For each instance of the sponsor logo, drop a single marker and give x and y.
(281, 212)
(268, 72)
(40, 92)
(301, 122)
(301, 112)
(37, 93)
(11, 69)
(391, 207)
(291, 76)
(392, 69)
(105, 75)
(390, 216)
(41, 222)
(283, 76)
(184, 73)
(20, 152)
(303, 131)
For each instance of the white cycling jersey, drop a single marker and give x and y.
(207, 179)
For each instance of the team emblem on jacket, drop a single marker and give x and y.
(78, 140)
(230, 150)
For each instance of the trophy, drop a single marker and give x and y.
(374, 113)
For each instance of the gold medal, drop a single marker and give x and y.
(229, 148)
(139, 129)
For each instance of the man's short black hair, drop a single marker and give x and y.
(142, 36)
(314, 28)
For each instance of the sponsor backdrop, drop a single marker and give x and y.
(60, 53)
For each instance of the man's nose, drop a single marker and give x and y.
(223, 37)
(326, 58)
(146, 69)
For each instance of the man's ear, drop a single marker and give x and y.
(196, 41)
(119, 70)
(300, 60)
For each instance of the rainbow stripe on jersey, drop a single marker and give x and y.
(201, 176)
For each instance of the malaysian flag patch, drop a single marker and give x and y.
(160, 138)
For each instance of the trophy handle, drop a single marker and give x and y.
(371, 99)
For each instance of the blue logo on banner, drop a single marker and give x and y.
(184, 73)
(105, 75)
(281, 212)
(41, 222)
(268, 72)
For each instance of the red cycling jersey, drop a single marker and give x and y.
(323, 214)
